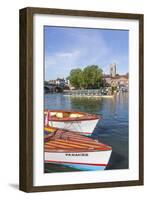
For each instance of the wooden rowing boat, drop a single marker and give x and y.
(75, 150)
(81, 122)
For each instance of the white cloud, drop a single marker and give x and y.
(61, 58)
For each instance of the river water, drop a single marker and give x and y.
(112, 129)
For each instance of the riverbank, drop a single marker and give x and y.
(95, 96)
(96, 93)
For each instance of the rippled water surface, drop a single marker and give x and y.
(112, 128)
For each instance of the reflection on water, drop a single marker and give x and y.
(112, 128)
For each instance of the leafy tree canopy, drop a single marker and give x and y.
(89, 77)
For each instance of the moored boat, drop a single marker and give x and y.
(74, 150)
(81, 122)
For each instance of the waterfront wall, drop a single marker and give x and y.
(90, 92)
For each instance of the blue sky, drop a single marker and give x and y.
(67, 48)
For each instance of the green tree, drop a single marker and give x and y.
(76, 77)
(92, 76)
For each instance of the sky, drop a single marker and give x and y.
(67, 48)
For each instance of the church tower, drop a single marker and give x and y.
(113, 70)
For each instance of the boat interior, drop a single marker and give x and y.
(65, 141)
(67, 115)
(64, 114)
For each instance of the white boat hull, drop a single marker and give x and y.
(85, 127)
(91, 161)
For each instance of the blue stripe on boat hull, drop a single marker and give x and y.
(88, 135)
(85, 167)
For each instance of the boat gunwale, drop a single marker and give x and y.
(74, 150)
(93, 116)
(71, 144)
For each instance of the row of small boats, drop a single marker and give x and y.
(66, 141)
